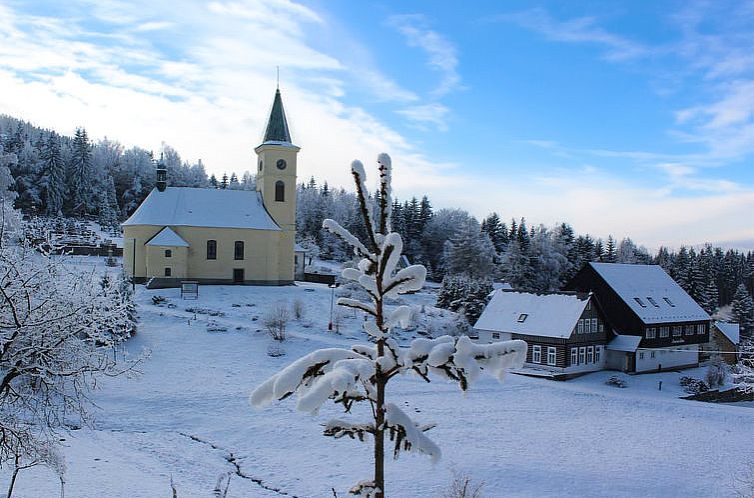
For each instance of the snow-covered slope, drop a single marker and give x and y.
(188, 417)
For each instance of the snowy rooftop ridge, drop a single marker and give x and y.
(167, 238)
(547, 315)
(730, 330)
(203, 207)
(650, 293)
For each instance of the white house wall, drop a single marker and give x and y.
(648, 360)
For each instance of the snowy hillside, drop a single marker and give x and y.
(188, 417)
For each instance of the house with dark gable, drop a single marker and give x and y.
(654, 323)
(566, 332)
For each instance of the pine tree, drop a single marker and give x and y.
(54, 173)
(224, 182)
(360, 375)
(470, 252)
(234, 183)
(743, 311)
(610, 251)
(213, 181)
(80, 174)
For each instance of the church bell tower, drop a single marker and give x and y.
(276, 168)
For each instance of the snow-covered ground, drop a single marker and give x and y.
(188, 416)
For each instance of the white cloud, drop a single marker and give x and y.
(427, 114)
(442, 55)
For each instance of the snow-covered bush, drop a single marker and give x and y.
(715, 375)
(276, 320)
(298, 309)
(463, 487)
(692, 385)
(360, 374)
(616, 381)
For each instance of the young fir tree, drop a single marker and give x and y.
(54, 173)
(359, 376)
(743, 311)
(80, 173)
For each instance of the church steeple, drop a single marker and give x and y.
(277, 125)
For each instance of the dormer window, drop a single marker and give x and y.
(640, 302)
(522, 317)
(667, 300)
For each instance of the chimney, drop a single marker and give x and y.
(162, 175)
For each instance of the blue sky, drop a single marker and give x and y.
(633, 119)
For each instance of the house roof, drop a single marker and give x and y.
(547, 315)
(650, 293)
(730, 330)
(626, 343)
(277, 126)
(167, 238)
(203, 207)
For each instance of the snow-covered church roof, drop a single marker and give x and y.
(526, 313)
(167, 238)
(203, 207)
(650, 293)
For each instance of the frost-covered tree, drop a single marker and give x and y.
(469, 252)
(54, 175)
(359, 376)
(743, 311)
(80, 173)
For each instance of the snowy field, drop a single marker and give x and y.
(188, 416)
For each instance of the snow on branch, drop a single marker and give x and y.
(407, 435)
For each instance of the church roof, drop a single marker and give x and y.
(277, 125)
(203, 207)
(167, 238)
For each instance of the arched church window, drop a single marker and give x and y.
(238, 250)
(260, 165)
(211, 249)
(279, 191)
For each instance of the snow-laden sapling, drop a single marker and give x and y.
(360, 374)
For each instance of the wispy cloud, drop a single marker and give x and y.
(577, 30)
(442, 55)
(427, 114)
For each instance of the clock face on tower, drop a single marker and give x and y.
(281, 164)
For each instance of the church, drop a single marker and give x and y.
(221, 236)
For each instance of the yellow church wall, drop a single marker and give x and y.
(268, 255)
(156, 261)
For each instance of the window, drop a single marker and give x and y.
(260, 165)
(588, 305)
(168, 271)
(580, 329)
(597, 353)
(667, 300)
(522, 317)
(238, 250)
(279, 191)
(590, 354)
(496, 335)
(168, 253)
(602, 326)
(587, 326)
(689, 330)
(641, 303)
(677, 331)
(594, 325)
(641, 356)
(700, 329)
(574, 356)
(664, 331)
(653, 302)
(551, 358)
(652, 354)
(536, 354)
(582, 356)
(211, 249)
(651, 333)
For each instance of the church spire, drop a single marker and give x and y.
(277, 126)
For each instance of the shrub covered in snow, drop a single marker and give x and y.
(692, 385)
(360, 374)
(276, 320)
(616, 381)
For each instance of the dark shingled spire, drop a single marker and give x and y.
(277, 126)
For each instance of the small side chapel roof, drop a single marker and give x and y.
(167, 238)
(203, 207)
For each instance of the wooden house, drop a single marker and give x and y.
(655, 324)
(566, 332)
